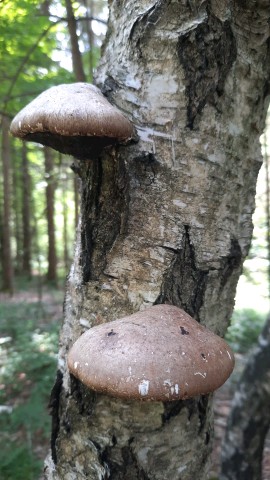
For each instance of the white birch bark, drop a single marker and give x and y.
(165, 219)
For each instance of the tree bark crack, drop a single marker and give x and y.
(104, 212)
(129, 468)
(54, 405)
(232, 262)
(184, 283)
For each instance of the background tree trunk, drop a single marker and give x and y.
(26, 201)
(89, 5)
(167, 219)
(65, 180)
(50, 189)
(76, 201)
(249, 420)
(16, 209)
(7, 268)
(75, 50)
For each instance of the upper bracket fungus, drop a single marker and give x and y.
(158, 354)
(75, 119)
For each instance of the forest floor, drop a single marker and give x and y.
(52, 300)
(29, 324)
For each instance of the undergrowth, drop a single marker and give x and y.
(244, 330)
(28, 348)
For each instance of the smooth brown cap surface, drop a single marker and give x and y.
(74, 118)
(158, 354)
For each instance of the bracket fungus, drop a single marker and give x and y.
(159, 354)
(75, 119)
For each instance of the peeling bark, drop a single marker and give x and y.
(164, 219)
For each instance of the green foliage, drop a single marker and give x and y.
(27, 366)
(18, 462)
(244, 330)
(27, 40)
(35, 54)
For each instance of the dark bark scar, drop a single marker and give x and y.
(212, 47)
(54, 404)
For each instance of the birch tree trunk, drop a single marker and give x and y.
(165, 219)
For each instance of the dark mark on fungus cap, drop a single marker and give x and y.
(75, 119)
(148, 358)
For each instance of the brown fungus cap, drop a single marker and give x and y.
(158, 354)
(75, 119)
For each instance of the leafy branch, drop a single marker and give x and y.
(24, 62)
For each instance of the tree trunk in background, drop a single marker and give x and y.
(26, 202)
(267, 206)
(89, 5)
(80, 76)
(75, 50)
(76, 200)
(249, 420)
(50, 190)
(164, 220)
(16, 207)
(7, 273)
(65, 225)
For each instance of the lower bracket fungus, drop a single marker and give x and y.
(158, 354)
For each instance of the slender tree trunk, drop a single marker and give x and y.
(65, 223)
(50, 189)
(267, 205)
(26, 202)
(37, 254)
(76, 200)
(75, 50)
(89, 5)
(1, 235)
(17, 217)
(65, 234)
(80, 77)
(165, 220)
(7, 272)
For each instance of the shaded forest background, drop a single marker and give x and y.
(44, 44)
(41, 44)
